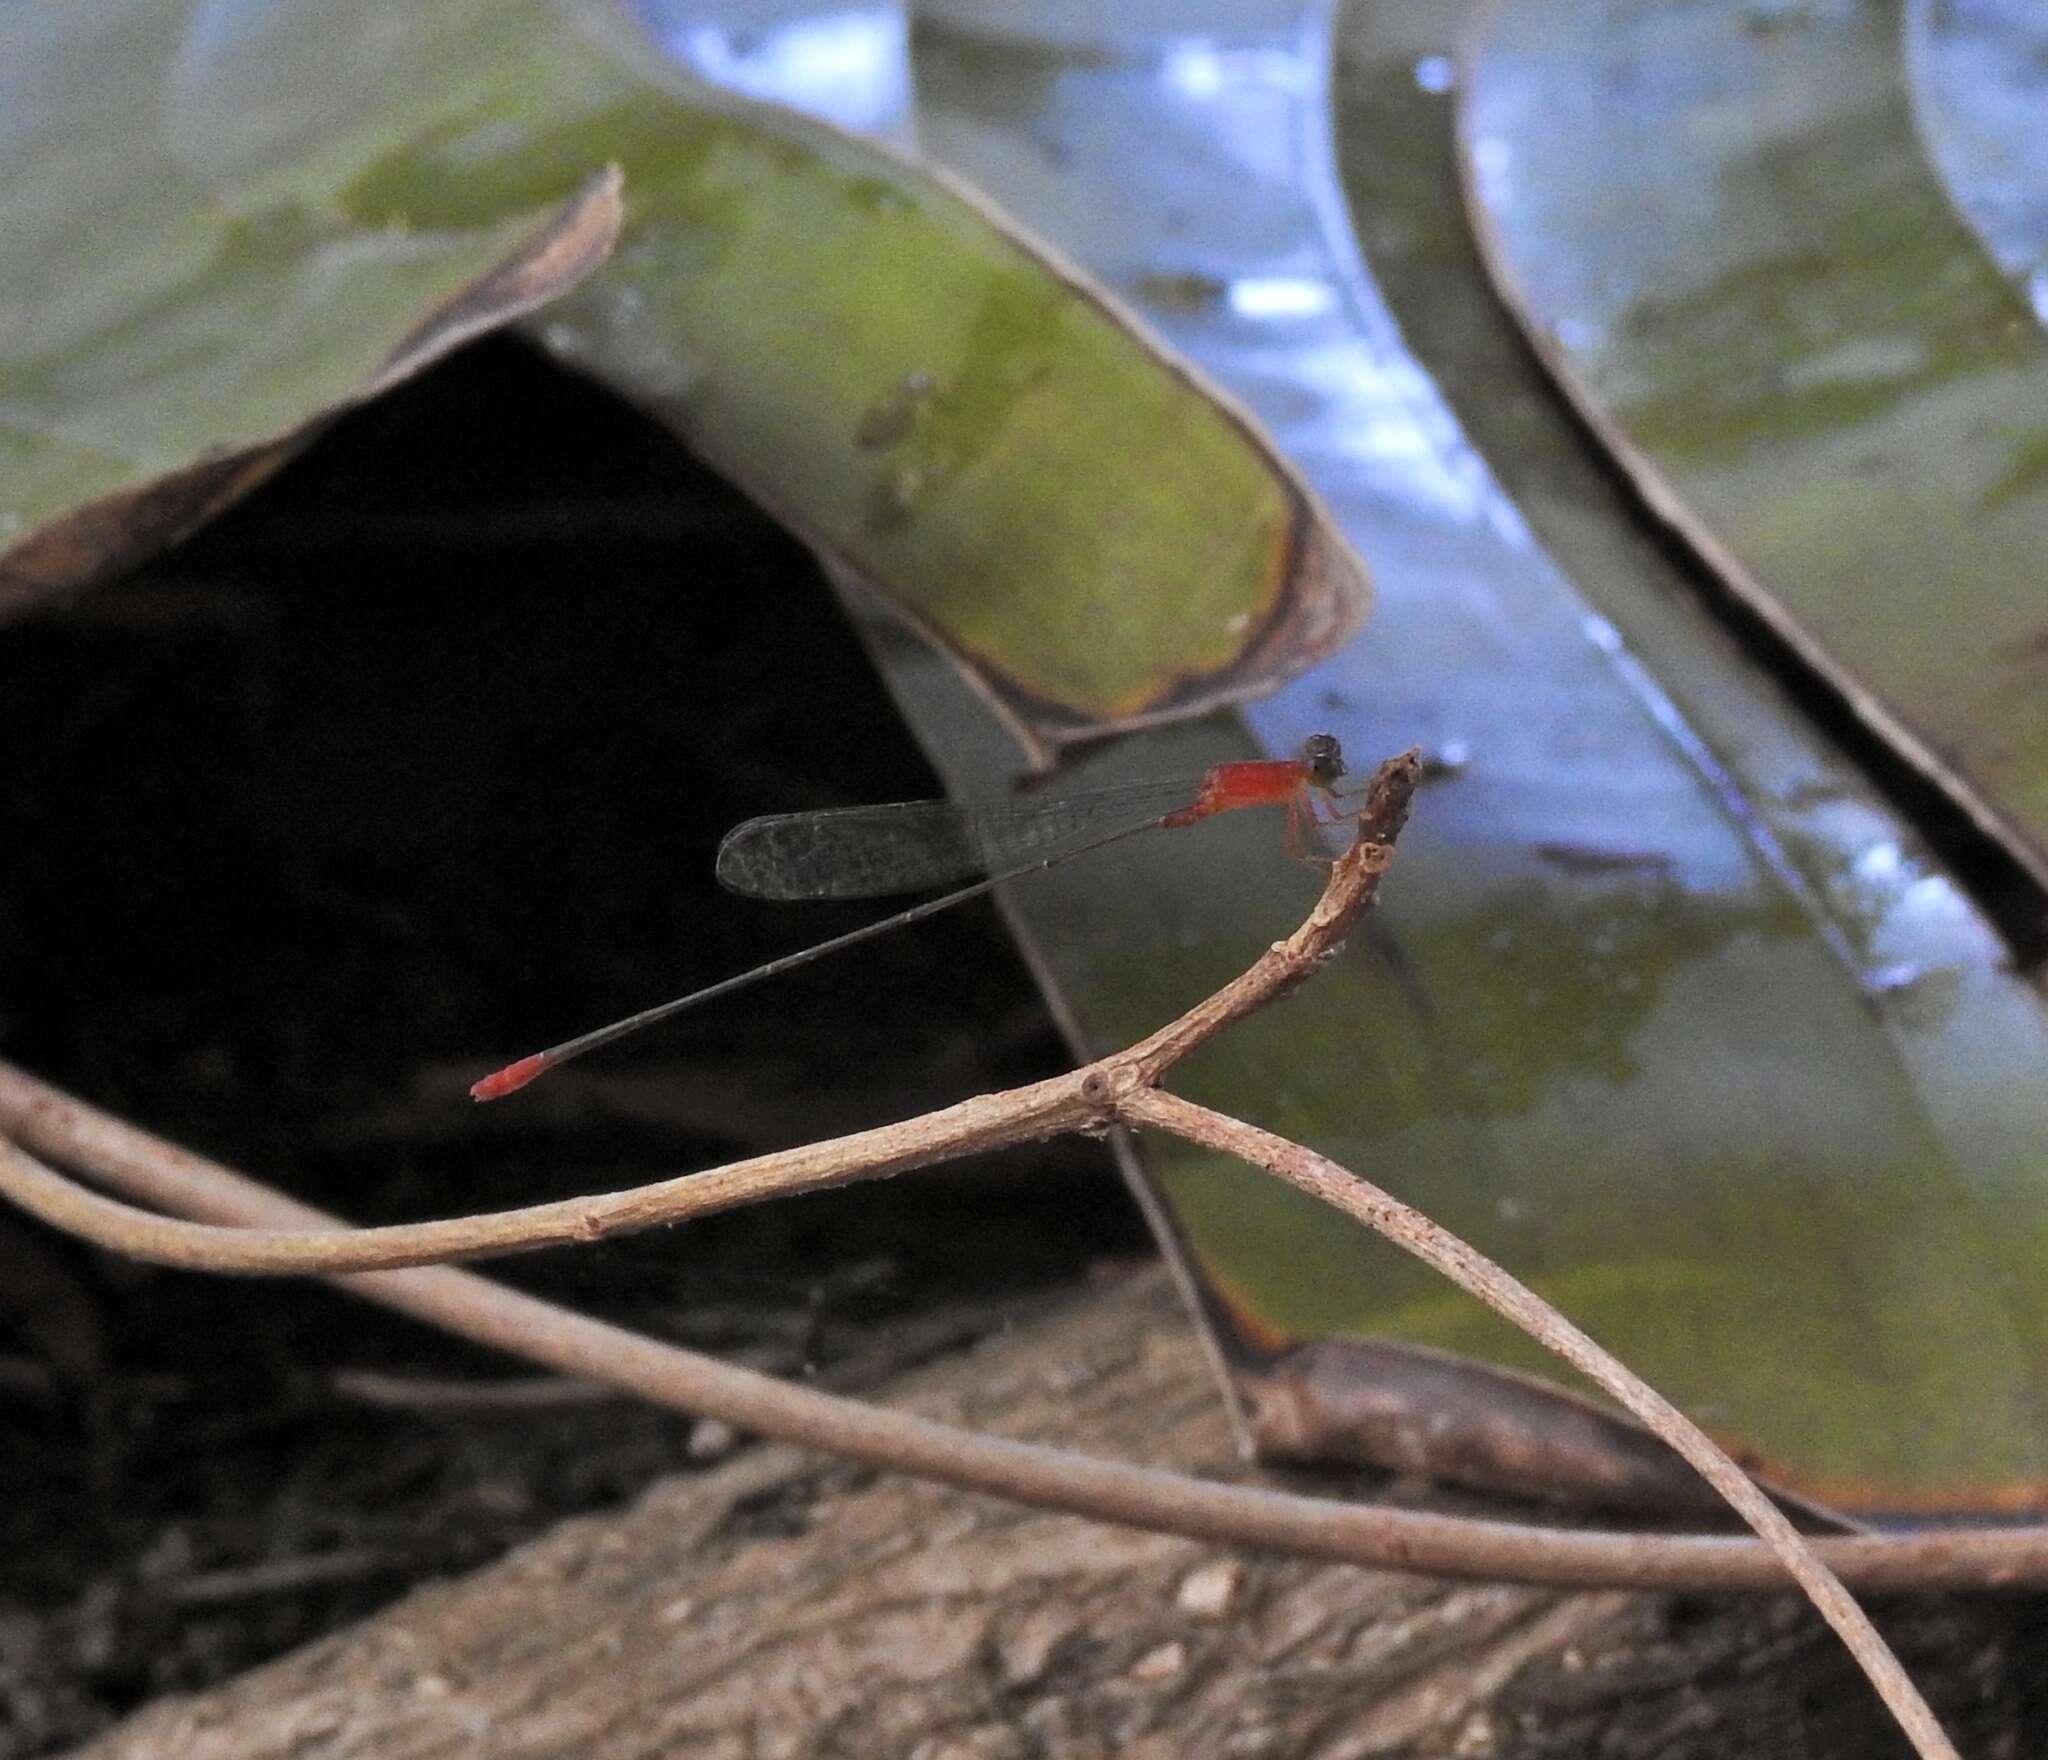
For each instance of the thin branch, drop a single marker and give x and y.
(986, 1122)
(1473, 1272)
(444, 1394)
(1116, 1088)
(154, 1171)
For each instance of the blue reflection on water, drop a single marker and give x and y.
(847, 64)
(1979, 71)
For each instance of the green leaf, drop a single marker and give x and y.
(915, 388)
(183, 297)
(1663, 1008)
(1724, 236)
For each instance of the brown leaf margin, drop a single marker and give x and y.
(98, 538)
(2002, 831)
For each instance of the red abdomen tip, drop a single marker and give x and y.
(508, 1080)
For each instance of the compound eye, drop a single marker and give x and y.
(1324, 757)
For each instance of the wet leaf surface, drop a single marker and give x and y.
(1979, 77)
(1726, 240)
(1663, 1007)
(869, 351)
(184, 301)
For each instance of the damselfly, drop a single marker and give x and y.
(872, 852)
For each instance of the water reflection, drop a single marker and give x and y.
(1980, 89)
(1607, 1019)
(1888, 912)
(1206, 69)
(847, 64)
(1436, 74)
(1281, 296)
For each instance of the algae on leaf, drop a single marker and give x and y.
(278, 194)
(1662, 1006)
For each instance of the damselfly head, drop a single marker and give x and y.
(1324, 758)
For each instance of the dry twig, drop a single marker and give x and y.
(244, 1227)
(1390, 1539)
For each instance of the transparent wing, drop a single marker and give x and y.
(869, 852)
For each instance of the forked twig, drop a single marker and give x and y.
(988, 1121)
(158, 1172)
(242, 1226)
(1472, 1271)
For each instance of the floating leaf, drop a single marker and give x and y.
(912, 385)
(1662, 1008)
(1719, 229)
(184, 299)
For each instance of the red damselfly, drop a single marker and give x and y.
(876, 851)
